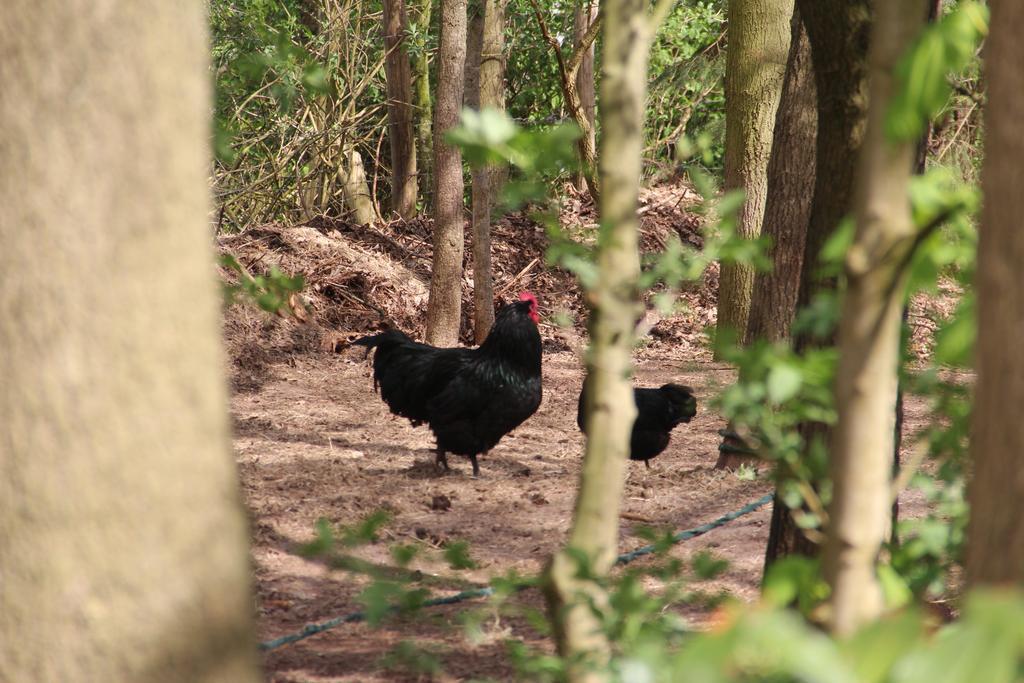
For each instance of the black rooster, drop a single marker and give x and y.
(659, 411)
(470, 398)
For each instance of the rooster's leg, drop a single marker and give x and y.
(647, 463)
(476, 467)
(441, 461)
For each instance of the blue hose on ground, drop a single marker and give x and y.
(625, 558)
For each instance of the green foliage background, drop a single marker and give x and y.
(294, 82)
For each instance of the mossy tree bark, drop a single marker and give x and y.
(398, 77)
(424, 108)
(584, 16)
(995, 546)
(123, 543)
(444, 311)
(594, 535)
(838, 34)
(759, 37)
(787, 212)
(787, 208)
(860, 458)
(489, 72)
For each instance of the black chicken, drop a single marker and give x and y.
(659, 411)
(470, 398)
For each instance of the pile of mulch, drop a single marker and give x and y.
(361, 278)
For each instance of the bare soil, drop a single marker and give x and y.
(313, 441)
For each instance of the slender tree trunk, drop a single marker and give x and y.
(568, 71)
(920, 164)
(790, 188)
(838, 34)
(585, 14)
(489, 93)
(860, 461)
(444, 311)
(594, 533)
(759, 36)
(398, 76)
(480, 221)
(424, 139)
(995, 546)
(474, 44)
(123, 544)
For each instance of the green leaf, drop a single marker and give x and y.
(954, 342)
(456, 553)
(403, 554)
(378, 598)
(707, 566)
(365, 531)
(839, 242)
(730, 203)
(315, 79)
(763, 645)
(984, 646)
(322, 544)
(412, 658)
(495, 127)
(784, 382)
(229, 261)
(269, 302)
(942, 48)
(894, 588)
(223, 139)
(873, 651)
(794, 579)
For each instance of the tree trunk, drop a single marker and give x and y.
(785, 537)
(995, 547)
(585, 14)
(860, 458)
(398, 76)
(568, 71)
(790, 188)
(838, 34)
(787, 211)
(474, 44)
(354, 187)
(489, 93)
(423, 105)
(594, 533)
(920, 165)
(123, 543)
(755, 67)
(444, 312)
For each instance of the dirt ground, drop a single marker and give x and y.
(313, 441)
(316, 442)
